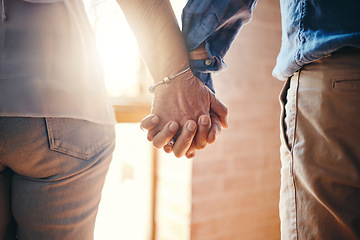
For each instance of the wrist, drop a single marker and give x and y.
(178, 86)
(199, 53)
(170, 78)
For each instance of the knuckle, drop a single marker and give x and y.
(178, 152)
(201, 146)
(226, 111)
(157, 144)
(178, 155)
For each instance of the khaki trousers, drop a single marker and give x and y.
(320, 150)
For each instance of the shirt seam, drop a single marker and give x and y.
(301, 33)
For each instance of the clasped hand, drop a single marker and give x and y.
(188, 112)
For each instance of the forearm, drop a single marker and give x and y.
(158, 35)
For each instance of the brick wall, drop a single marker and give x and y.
(231, 189)
(236, 181)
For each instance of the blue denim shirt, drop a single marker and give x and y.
(217, 23)
(311, 29)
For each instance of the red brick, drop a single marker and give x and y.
(235, 182)
(212, 167)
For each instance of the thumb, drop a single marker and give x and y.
(221, 110)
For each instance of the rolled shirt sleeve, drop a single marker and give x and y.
(215, 23)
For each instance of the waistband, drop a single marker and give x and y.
(345, 60)
(347, 56)
(346, 51)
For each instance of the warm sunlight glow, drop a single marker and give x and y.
(117, 48)
(125, 210)
(117, 45)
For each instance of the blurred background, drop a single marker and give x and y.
(228, 191)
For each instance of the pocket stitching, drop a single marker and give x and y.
(351, 78)
(62, 147)
(68, 149)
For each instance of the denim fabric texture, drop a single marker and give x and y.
(216, 23)
(311, 29)
(52, 171)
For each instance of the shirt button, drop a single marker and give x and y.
(208, 62)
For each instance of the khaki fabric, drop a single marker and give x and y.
(320, 152)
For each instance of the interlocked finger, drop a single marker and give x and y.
(184, 140)
(204, 125)
(163, 137)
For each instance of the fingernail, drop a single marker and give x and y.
(173, 127)
(191, 126)
(204, 120)
(155, 119)
(191, 155)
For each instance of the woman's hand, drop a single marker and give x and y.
(180, 109)
(183, 101)
(207, 131)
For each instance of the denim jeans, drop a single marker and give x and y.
(320, 150)
(52, 171)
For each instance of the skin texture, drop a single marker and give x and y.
(208, 126)
(185, 99)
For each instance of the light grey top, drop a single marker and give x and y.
(48, 62)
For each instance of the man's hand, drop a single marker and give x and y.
(179, 111)
(207, 132)
(183, 101)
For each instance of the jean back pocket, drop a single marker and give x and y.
(78, 138)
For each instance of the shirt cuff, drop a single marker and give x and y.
(205, 78)
(203, 69)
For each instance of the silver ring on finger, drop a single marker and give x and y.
(171, 142)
